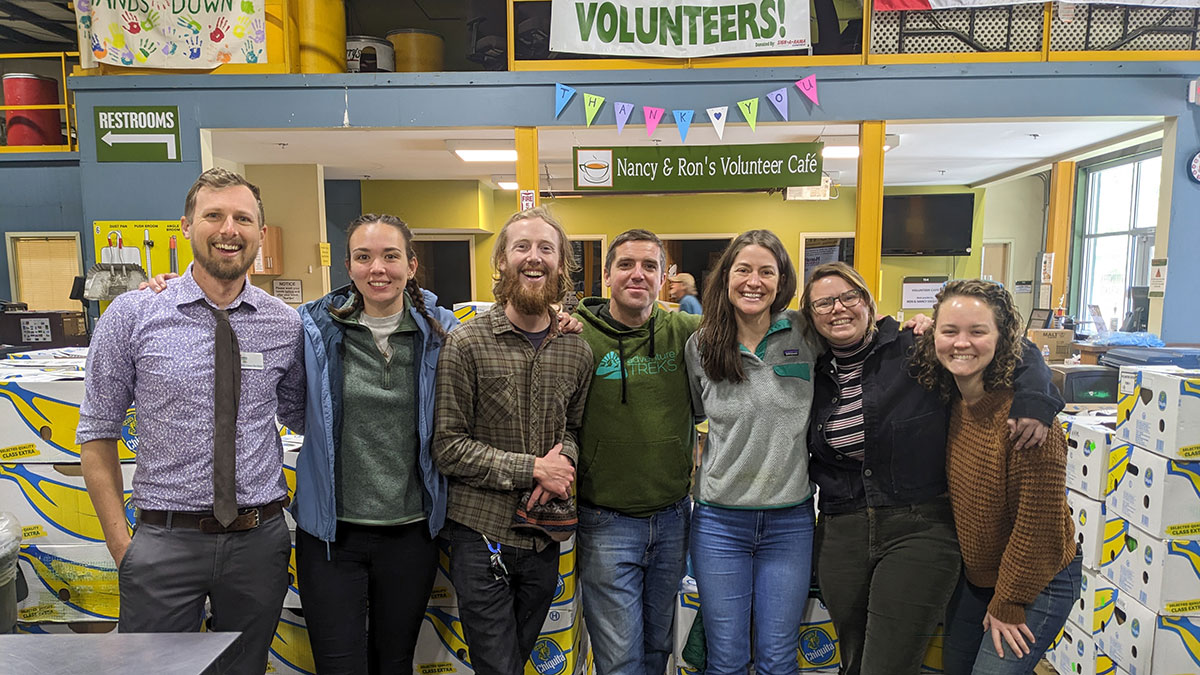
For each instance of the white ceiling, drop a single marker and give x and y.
(929, 153)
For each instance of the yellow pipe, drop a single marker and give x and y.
(322, 36)
(1058, 227)
(527, 163)
(868, 216)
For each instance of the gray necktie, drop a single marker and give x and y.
(227, 391)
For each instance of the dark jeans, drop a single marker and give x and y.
(167, 573)
(365, 595)
(886, 575)
(968, 650)
(501, 621)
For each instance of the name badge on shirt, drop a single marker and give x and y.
(252, 360)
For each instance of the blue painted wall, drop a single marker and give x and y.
(38, 193)
(848, 94)
(343, 203)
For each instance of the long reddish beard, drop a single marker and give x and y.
(526, 300)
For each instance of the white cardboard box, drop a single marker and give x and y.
(38, 420)
(51, 503)
(290, 652)
(1088, 516)
(443, 594)
(1075, 652)
(1158, 408)
(561, 649)
(76, 582)
(1162, 574)
(1088, 444)
(1143, 643)
(1095, 603)
(1158, 494)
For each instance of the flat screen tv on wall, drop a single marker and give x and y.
(928, 224)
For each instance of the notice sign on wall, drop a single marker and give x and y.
(921, 292)
(678, 28)
(697, 167)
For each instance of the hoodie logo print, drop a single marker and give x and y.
(610, 365)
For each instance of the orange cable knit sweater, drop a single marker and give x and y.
(1010, 507)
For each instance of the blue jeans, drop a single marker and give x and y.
(752, 565)
(630, 569)
(968, 650)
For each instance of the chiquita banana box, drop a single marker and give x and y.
(38, 418)
(290, 653)
(52, 505)
(1162, 574)
(1088, 444)
(564, 594)
(1074, 652)
(1144, 643)
(561, 649)
(1158, 408)
(1095, 604)
(73, 628)
(1158, 494)
(292, 599)
(1089, 518)
(75, 582)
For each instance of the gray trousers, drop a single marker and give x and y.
(167, 573)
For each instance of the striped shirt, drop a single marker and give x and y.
(845, 430)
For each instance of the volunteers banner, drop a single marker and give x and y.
(171, 33)
(898, 5)
(678, 28)
(697, 168)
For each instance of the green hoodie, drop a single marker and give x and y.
(635, 447)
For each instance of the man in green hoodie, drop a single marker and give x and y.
(635, 462)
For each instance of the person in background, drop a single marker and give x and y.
(750, 369)
(210, 361)
(511, 389)
(887, 556)
(369, 501)
(683, 291)
(635, 462)
(1021, 563)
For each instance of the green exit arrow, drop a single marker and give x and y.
(169, 139)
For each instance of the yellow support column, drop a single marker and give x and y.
(527, 163)
(868, 220)
(1058, 228)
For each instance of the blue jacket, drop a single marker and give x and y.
(315, 504)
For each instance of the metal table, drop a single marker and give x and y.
(116, 653)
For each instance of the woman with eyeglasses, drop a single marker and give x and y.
(887, 557)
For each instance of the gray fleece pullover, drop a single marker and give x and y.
(756, 456)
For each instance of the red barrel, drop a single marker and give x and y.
(32, 127)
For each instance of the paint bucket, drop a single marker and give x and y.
(366, 54)
(32, 127)
(417, 51)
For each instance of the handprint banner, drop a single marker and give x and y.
(171, 33)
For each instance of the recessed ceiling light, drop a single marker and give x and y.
(483, 150)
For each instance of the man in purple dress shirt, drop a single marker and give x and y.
(158, 350)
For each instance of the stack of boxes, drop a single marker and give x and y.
(1149, 544)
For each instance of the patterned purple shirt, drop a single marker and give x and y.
(157, 350)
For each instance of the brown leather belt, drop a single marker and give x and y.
(247, 519)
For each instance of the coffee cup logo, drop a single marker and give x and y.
(594, 168)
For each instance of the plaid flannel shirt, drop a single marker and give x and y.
(499, 405)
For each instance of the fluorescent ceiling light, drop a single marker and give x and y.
(483, 150)
(846, 147)
(507, 185)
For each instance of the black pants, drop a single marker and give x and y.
(365, 596)
(501, 621)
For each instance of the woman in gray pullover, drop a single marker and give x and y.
(750, 370)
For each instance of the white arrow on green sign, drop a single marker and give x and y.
(137, 133)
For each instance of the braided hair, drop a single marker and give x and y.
(413, 290)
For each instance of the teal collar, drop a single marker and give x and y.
(780, 324)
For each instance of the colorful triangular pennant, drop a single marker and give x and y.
(562, 95)
(591, 104)
(683, 121)
(623, 110)
(717, 116)
(749, 109)
(653, 116)
(808, 87)
(779, 99)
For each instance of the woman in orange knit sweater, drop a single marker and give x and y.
(1020, 559)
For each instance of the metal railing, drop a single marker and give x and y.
(67, 105)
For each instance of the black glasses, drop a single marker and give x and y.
(825, 305)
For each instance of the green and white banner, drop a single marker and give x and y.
(678, 28)
(697, 168)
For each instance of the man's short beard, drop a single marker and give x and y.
(523, 299)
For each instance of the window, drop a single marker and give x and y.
(1121, 211)
(42, 269)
